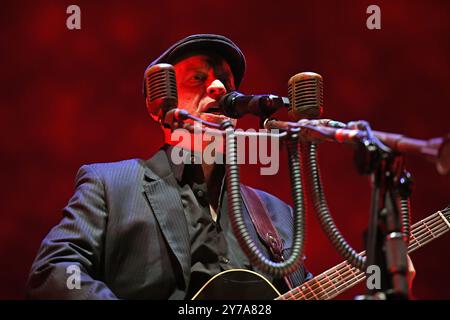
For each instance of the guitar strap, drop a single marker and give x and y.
(264, 226)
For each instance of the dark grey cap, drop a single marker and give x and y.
(214, 43)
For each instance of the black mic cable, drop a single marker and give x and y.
(236, 104)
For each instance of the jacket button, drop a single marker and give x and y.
(199, 193)
(224, 259)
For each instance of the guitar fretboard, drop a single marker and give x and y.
(336, 280)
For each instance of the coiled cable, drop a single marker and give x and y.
(322, 210)
(256, 256)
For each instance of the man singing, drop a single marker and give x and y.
(153, 229)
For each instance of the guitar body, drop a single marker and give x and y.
(237, 284)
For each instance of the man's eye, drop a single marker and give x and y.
(198, 78)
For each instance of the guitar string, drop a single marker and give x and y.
(353, 281)
(349, 277)
(350, 280)
(439, 232)
(427, 225)
(430, 229)
(426, 228)
(423, 225)
(344, 266)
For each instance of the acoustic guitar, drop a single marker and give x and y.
(240, 284)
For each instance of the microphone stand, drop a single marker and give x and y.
(386, 242)
(388, 228)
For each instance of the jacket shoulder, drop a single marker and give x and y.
(114, 172)
(108, 167)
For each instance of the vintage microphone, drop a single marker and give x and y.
(305, 92)
(160, 91)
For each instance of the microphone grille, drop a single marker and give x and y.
(161, 88)
(305, 92)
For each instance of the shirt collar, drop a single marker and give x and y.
(187, 157)
(178, 158)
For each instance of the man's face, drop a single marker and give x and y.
(201, 81)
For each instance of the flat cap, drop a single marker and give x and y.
(214, 43)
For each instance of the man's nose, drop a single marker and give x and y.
(216, 89)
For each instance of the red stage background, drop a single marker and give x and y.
(74, 97)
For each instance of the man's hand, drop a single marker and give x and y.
(411, 272)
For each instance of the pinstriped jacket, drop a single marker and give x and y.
(125, 231)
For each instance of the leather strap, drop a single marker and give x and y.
(262, 222)
(264, 226)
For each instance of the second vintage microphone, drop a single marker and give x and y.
(305, 92)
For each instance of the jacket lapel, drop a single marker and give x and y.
(162, 193)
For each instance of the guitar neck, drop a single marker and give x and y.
(336, 280)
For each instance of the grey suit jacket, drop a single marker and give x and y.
(125, 231)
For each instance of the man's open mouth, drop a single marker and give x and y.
(213, 113)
